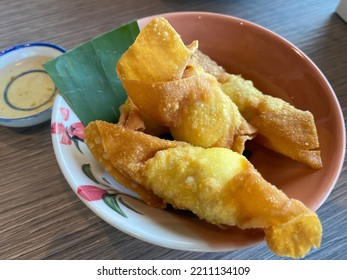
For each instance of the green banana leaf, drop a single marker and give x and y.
(86, 76)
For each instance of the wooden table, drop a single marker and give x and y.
(41, 217)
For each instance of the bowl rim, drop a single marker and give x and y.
(22, 46)
(32, 44)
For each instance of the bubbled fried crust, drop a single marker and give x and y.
(131, 117)
(181, 177)
(157, 42)
(155, 73)
(281, 127)
(209, 65)
(96, 134)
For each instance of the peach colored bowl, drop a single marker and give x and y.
(280, 69)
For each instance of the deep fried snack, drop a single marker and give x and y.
(186, 99)
(131, 117)
(217, 184)
(96, 133)
(209, 65)
(157, 44)
(281, 127)
(195, 109)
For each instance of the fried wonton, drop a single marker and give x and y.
(209, 65)
(131, 117)
(281, 127)
(217, 184)
(179, 96)
(97, 137)
(157, 44)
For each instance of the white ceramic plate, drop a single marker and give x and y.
(122, 208)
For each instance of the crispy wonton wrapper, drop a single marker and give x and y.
(179, 96)
(131, 117)
(281, 127)
(157, 44)
(217, 184)
(97, 137)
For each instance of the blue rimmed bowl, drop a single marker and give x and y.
(26, 91)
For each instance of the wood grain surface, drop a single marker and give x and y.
(41, 217)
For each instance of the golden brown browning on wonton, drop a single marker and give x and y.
(179, 96)
(217, 184)
(281, 127)
(195, 109)
(157, 44)
(131, 117)
(97, 137)
(209, 65)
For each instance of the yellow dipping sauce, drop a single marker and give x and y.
(25, 88)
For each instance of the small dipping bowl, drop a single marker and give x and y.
(27, 93)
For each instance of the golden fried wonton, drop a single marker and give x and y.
(131, 117)
(179, 96)
(209, 65)
(97, 137)
(217, 184)
(157, 44)
(281, 127)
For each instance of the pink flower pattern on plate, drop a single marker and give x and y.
(65, 112)
(73, 133)
(59, 128)
(76, 129)
(91, 193)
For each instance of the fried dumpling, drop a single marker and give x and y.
(217, 184)
(98, 138)
(131, 117)
(179, 96)
(223, 188)
(281, 127)
(208, 65)
(157, 44)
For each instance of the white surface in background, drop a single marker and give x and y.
(341, 9)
